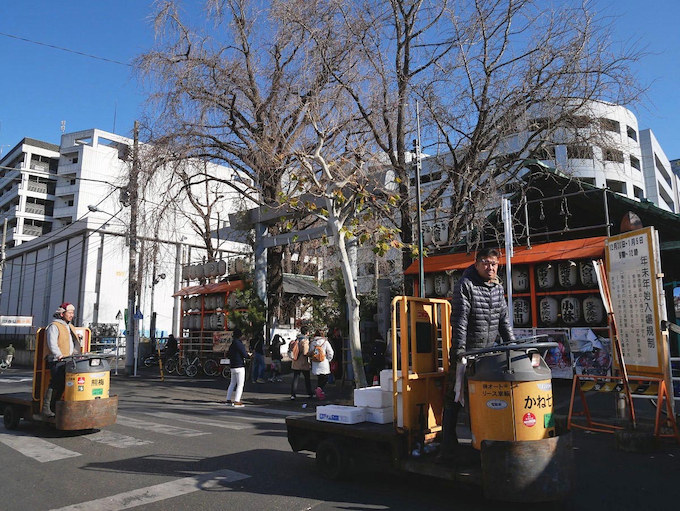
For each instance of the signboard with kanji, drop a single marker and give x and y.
(633, 266)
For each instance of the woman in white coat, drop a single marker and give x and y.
(321, 353)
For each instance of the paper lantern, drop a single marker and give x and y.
(520, 278)
(548, 310)
(593, 310)
(570, 308)
(566, 272)
(441, 284)
(545, 276)
(429, 285)
(454, 277)
(521, 311)
(587, 273)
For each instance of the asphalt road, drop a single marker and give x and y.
(176, 446)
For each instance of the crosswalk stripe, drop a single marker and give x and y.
(36, 448)
(158, 428)
(197, 420)
(158, 492)
(116, 439)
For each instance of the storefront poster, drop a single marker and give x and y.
(592, 354)
(559, 358)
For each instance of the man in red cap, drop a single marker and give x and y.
(62, 341)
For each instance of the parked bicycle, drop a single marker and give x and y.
(190, 365)
(172, 364)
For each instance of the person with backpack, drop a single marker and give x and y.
(321, 353)
(298, 352)
(237, 356)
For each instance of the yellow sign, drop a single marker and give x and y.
(633, 273)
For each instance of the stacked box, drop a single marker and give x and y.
(373, 397)
(379, 415)
(386, 380)
(340, 414)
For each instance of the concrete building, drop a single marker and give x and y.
(81, 253)
(27, 188)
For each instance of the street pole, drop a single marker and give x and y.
(130, 347)
(419, 216)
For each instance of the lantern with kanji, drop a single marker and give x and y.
(587, 273)
(548, 310)
(441, 284)
(566, 272)
(593, 310)
(570, 307)
(545, 276)
(521, 311)
(520, 278)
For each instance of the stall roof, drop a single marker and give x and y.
(218, 287)
(556, 251)
(299, 285)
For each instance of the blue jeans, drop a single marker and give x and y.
(258, 367)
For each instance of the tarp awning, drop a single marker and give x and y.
(556, 251)
(217, 287)
(297, 285)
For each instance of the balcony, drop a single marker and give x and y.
(32, 230)
(36, 187)
(35, 209)
(64, 212)
(67, 189)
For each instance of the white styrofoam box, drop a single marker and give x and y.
(386, 380)
(379, 415)
(340, 414)
(374, 397)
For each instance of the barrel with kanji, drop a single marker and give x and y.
(510, 397)
(87, 377)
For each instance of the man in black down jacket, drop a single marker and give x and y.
(479, 317)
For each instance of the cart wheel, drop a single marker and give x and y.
(331, 460)
(191, 371)
(211, 367)
(11, 417)
(226, 372)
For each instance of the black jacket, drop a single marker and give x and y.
(479, 315)
(237, 354)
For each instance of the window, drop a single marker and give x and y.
(634, 162)
(72, 181)
(662, 170)
(616, 186)
(637, 191)
(612, 155)
(610, 125)
(577, 121)
(544, 153)
(69, 202)
(579, 152)
(631, 133)
(589, 180)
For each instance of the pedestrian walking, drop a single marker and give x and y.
(275, 352)
(298, 352)
(10, 351)
(237, 356)
(320, 354)
(257, 374)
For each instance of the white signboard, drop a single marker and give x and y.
(16, 320)
(632, 267)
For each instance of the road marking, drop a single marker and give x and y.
(15, 379)
(36, 448)
(197, 420)
(158, 492)
(116, 439)
(158, 428)
(271, 411)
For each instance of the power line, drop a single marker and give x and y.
(68, 50)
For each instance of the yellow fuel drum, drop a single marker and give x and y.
(509, 399)
(87, 379)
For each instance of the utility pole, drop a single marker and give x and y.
(131, 336)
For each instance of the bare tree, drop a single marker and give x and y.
(235, 92)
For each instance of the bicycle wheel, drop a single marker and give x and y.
(182, 368)
(211, 367)
(170, 365)
(149, 361)
(191, 370)
(226, 373)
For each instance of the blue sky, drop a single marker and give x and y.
(42, 86)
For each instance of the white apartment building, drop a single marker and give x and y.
(27, 186)
(81, 255)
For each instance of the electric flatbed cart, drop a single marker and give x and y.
(86, 403)
(517, 454)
